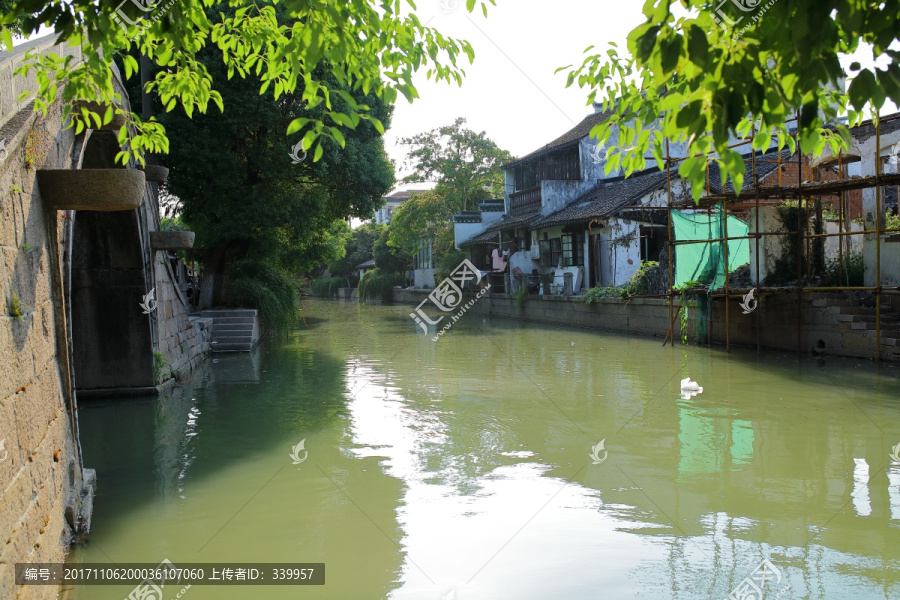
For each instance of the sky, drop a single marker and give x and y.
(511, 91)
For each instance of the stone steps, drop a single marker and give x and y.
(858, 322)
(233, 326)
(234, 330)
(863, 310)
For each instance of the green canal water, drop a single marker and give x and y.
(464, 469)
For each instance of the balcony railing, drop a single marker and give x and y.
(525, 201)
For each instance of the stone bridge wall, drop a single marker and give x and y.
(45, 494)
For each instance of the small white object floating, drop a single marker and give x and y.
(689, 389)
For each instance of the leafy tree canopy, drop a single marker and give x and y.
(365, 46)
(14, 24)
(464, 162)
(249, 195)
(358, 249)
(425, 216)
(390, 259)
(705, 69)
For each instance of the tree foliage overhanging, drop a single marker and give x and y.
(254, 200)
(364, 46)
(240, 187)
(735, 67)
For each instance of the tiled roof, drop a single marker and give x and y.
(607, 197)
(507, 222)
(580, 131)
(369, 264)
(764, 169)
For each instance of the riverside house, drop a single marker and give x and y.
(563, 214)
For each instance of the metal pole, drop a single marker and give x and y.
(727, 303)
(671, 290)
(758, 277)
(799, 242)
(841, 223)
(877, 241)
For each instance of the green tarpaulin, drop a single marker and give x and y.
(706, 262)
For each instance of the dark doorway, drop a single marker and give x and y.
(594, 260)
(652, 241)
(111, 337)
(111, 333)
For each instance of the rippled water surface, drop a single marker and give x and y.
(464, 469)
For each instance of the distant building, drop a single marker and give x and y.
(384, 214)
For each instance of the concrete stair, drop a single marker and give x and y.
(852, 316)
(234, 330)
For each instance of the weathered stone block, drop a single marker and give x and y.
(16, 354)
(33, 416)
(156, 173)
(92, 189)
(172, 240)
(46, 465)
(855, 341)
(14, 501)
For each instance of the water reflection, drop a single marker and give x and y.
(464, 466)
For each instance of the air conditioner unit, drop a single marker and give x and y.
(536, 252)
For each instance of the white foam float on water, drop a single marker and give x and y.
(689, 388)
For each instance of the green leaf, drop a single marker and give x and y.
(698, 47)
(861, 89)
(297, 124)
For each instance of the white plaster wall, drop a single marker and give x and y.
(466, 231)
(868, 152)
(509, 187)
(489, 218)
(890, 263)
(523, 261)
(770, 248)
(556, 195)
(617, 262)
(831, 244)
(424, 279)
(595, 171)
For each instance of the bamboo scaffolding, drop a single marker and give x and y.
(806, 192)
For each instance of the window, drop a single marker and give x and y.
(573, 249)
(567, 250)
(652, 242)
(555, 251)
